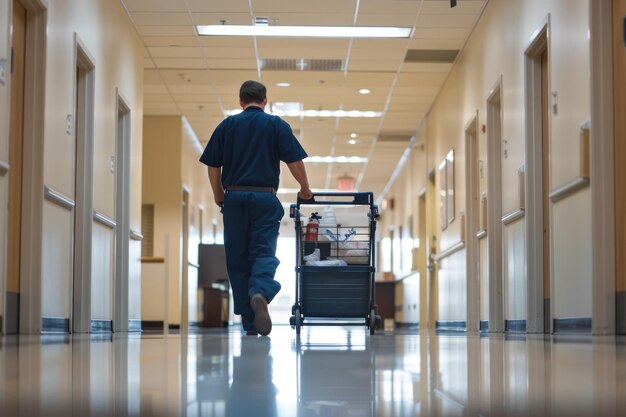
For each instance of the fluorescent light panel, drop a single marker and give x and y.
(317, 113)
(305, 31)
(336, 159)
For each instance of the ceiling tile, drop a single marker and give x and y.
(218, 18)
(472, 7)
(161, 18)
(441, 33)
(180, 63)
(155, 5)
(166, 30)
(446, 20)
(240, 6)
(235, 64)
(318, 6)
(403, 7)
(173, 41)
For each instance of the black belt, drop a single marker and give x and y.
(251, 188)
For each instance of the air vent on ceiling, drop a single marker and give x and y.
(261, 21)
(394, 137)
(302, 64)
(431, 55)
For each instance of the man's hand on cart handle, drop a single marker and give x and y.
(305, 193)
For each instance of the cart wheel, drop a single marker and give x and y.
(298, 317)
(372, 321)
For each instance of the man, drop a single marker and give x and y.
(243, 156)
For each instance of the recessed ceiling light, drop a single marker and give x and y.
(364, 91)
(353, 135)
(305, 31)
(352, 142)
(283, 84)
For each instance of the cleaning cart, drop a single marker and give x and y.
(335, 255)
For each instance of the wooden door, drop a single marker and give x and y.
(545, 140)
(18, 47)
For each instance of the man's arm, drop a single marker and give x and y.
(215, 178)
(299, 173)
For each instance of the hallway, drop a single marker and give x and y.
(327, 373)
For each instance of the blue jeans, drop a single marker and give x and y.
(251, 223)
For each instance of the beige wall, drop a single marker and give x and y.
(171, 154)
(496, 49)
(110, 39)
(162, 187)
(106, 32)
(5, 100)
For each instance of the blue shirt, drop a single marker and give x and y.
(249, 147)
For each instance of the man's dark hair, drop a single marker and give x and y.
(252, 92)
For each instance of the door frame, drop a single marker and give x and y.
(494, 207)
(472, 224)
(539, 42)
(602, 168)
(33, 162)
(122, 213)
(84, 96)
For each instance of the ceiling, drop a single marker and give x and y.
(198, 77)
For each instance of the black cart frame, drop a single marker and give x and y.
(336, 295)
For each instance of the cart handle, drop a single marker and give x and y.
(354, 199)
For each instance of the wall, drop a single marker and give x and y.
(195, 179)
(496, 49)
(110, 39)
(171, 153)
(112, 42)
(162, 187)
(5, 100)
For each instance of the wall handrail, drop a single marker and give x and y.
(460, 245)
(513, 216)
(104, 220)
(153, 259)
(4, 168)
(57, 198)
(135, 235)
(569, 189)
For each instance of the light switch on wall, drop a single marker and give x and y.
(3, 71)
(68, 124)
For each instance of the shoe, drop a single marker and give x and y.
(252, 333)
(262, 319)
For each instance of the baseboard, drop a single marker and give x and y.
(55, 325)
(451, 326)
(573, 325)
(408, 325)
(12, 325)
(516, 326)
(134, 325)
(152, 325)
(101, 326)
(620, 312)
(484, 326)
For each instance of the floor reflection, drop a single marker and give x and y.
(325, 372)
(252, 392)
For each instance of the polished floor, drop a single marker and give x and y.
(328, 372)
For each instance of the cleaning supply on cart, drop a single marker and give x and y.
(328, 223)
(312, 228)
(312, 257)
(328, 262)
